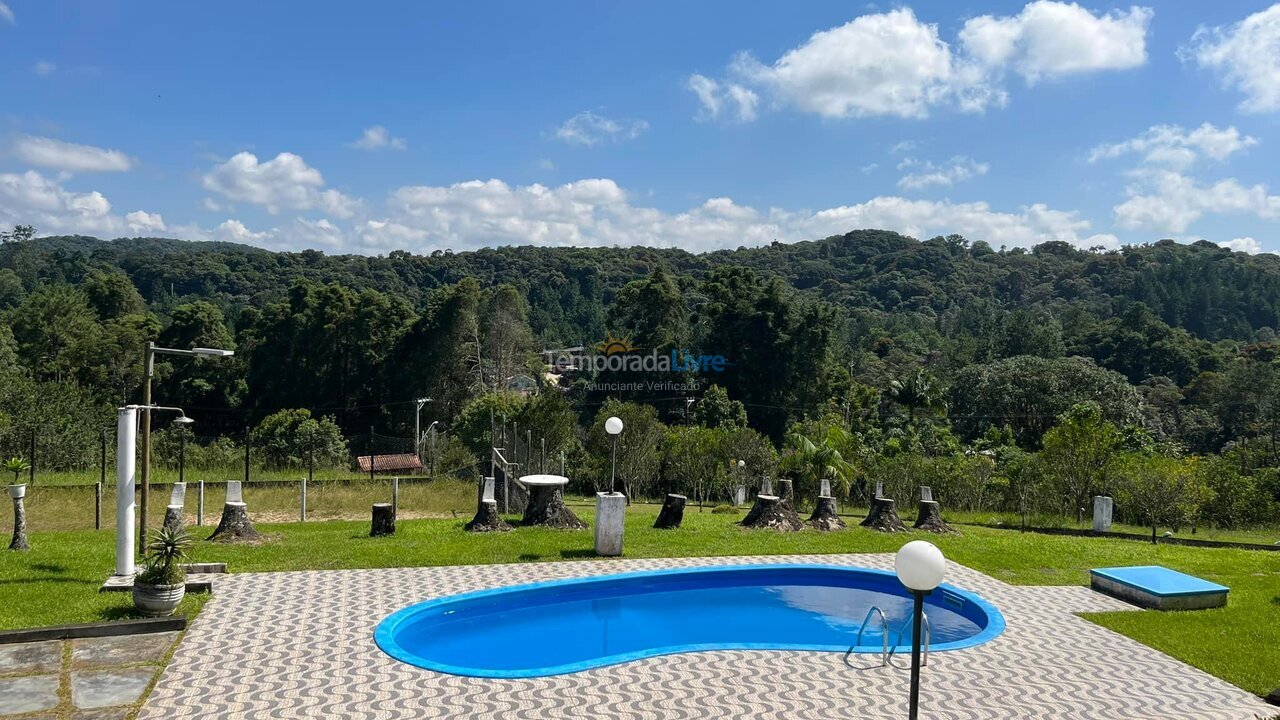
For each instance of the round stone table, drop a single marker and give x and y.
(546, 503)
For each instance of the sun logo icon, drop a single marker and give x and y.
(614, 346)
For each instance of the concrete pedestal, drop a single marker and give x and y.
(824, 488)
(739, 495)
(1102, 506)
(611, 513)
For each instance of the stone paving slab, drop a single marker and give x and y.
(104, 688)
(28, 694)
(33, 657)
(121, 649)
(300, 645)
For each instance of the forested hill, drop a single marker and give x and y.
(1209, 291)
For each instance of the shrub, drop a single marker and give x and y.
(724, 510)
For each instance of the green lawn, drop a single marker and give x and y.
(57, 581)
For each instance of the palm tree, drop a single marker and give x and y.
(917, 391)
(812, 459)
(17, 466)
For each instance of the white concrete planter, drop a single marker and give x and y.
(17, 492)
(157, 600)
(611, 514)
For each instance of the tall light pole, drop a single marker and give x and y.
(613, 426)
(920, 567)
(126, 424)
(149, 366)
(417, 426)
(431, 430)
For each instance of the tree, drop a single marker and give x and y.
(1161, 491)
(112, 295)
(1079, 452)
(507, 340)
(693, 460)
(811, 458)
(715, 410)
(639, 447)
(50, 326)
(292, 439)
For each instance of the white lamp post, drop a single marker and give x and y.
(611, 507)
(613, 426)
(126, 465)
(920, 567)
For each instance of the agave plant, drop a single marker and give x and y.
(164, 557)
(17, 466)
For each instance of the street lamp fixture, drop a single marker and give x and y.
(417, 424)
(613, 426)
(920, 567)
(149, 366)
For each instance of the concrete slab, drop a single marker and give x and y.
(35, 657)
(91, 690)
(121, 649)
(28, 694)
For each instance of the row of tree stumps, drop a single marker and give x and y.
(776, 511)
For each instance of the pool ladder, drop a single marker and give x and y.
(886, 655)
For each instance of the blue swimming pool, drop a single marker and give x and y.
(565, 626)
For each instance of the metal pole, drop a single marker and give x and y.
(31, 469)
(126, 439)
(395, 495)
(149, 371)
(97, 506)
(200, 503)
(916, 615)
(613, 469)
(433, 449)
(103, 478)
(182, 455)
(302, 513)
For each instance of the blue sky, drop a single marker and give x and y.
(426, 126)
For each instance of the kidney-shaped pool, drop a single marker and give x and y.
(565, 626)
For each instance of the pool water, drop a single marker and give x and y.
(565, 626)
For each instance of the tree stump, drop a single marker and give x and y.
(384, 520)
(768, 513)
(19, 541)
(234, 525)
(487, 519)
(672, 513)
(883, 517)
(546, 508)
(824, 516)
(173, 518)
(930, 518)
(787, 499)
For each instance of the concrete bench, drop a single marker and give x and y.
(1158, 588)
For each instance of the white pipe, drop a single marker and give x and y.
(126, 437)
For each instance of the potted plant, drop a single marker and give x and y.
(17, 466)
(161, 585)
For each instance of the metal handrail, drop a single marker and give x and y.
(925, 630)
(884, 622)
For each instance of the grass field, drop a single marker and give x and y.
(57, 581)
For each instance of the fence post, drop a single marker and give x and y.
(97, 506)
(302, 513)
(200, 503)
(31, 471)
(372, 457)
(246, 454)
(395, 495)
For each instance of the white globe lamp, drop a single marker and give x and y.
(920, 566)
(613, 425)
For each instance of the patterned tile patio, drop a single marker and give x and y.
(300, 644)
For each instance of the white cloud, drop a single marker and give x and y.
(45, 68)
(1052, 39)
(588, 128)
(1243, 244)
(893, 64)
(144, 222)
(1164, 200)
(1173, 146)
(869, 168)
(924, 173)
(6, 14)
(546, 164)
(211, 205)
(377, 137)
(903, 146)
(284, 183)
(735, 101)
(599, 212)
(1246, 54)
(33, 199)
(884, 64)
(47, 152)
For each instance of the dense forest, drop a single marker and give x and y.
(843, 354)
